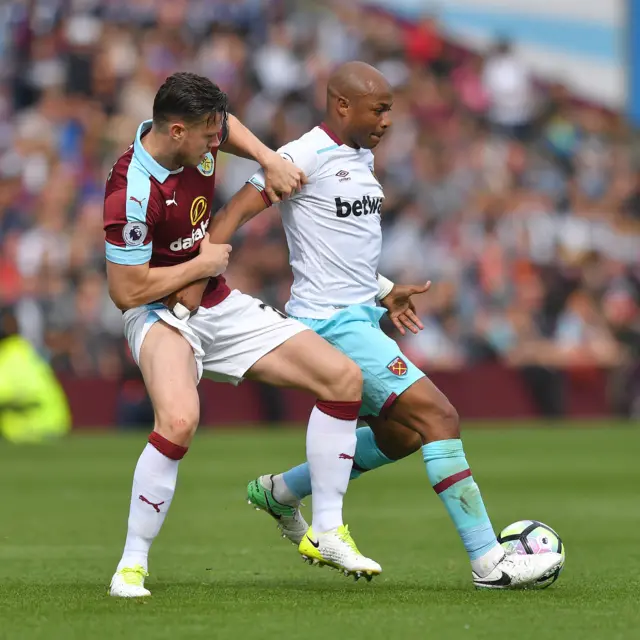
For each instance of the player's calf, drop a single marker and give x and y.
(377, 445)
(167, 364)
(391, 438)
(425, 409)
(307, 361)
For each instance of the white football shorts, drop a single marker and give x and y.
(227, 340)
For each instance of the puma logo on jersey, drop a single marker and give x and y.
(368, 205)
(172, 201)
(134, 199)
(182, 244)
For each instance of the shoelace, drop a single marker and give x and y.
(345, 536)
(134, 575)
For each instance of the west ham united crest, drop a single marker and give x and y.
(398, 367)
(207, 166)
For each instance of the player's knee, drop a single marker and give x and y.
(446, 423)
(178, 426)
(436, 421)
(345, 382)
(353, 380)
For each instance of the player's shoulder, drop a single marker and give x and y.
(130, 182)
(312, 150)
(317, 142)
(302, 151)
(308, 141)
(117, 176)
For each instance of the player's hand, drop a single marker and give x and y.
(282, 178)
(401, 308)
(189, 297)
(214, 258)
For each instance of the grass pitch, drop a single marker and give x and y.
(219, 570)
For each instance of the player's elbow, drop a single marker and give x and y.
(124, 297)
(120, 300)
(127, 284)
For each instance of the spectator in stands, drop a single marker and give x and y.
(519, 202)
(33, 406)
(510, 89)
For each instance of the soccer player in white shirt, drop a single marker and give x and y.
(334, 236)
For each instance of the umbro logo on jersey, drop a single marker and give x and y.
(367, 206)
(343, 175)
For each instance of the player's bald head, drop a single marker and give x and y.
(356, 79)
(359, 99)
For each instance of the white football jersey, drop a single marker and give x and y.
(332, 225)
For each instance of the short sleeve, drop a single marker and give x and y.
(128, 225)
(303, 155)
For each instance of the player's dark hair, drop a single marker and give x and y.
(190, 97)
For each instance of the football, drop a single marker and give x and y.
(533, 537)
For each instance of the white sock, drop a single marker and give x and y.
(487, 562)
(331, 445)
(154, 483)
(282, 493)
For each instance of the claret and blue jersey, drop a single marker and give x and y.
(159, 216)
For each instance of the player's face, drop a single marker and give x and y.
(199, 139)
(370, 118)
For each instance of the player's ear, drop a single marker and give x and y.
(177, 131)
(343, 106)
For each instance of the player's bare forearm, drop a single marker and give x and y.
(246, 204)
(189, 296)
(133, 285)
(282, 177)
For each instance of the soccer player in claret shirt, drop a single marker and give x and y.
(334, 236)
(156, 213)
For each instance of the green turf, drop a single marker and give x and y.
(220, 571)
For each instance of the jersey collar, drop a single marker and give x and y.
(159, 172)
(330, 133)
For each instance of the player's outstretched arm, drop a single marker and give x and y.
(133, 285)
(246, 204)
(283, 178)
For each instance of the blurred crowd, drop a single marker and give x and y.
(519, 202)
